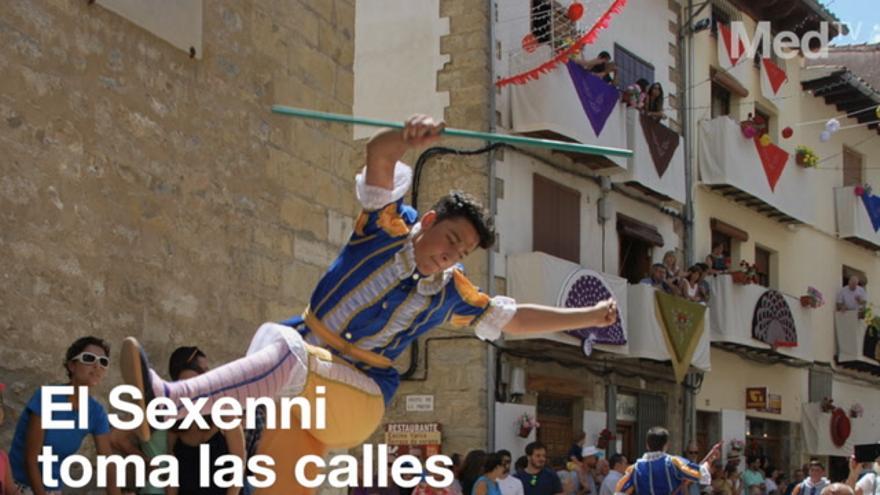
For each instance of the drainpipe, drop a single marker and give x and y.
(686, 54)
(491, 355)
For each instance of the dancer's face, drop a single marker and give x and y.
(440, 245)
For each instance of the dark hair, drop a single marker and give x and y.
(751, 459)
(580, 436)
(492, 462)
(521, 463)
(730, 468)
(657, 438)
(184, 358)
(702, 266)
(815, 463)
(532, 447)
(605, 55)
(655, 104)
(459, 204)
(456, 460)
(616, 459)
(471, 469)
(504, 452)
(80, 345)
(658, 265)
(643, 84)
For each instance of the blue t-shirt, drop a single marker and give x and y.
(544, 483)
(63, 442)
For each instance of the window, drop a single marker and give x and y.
(631, 68)
(550, 22)
(729, 237)
(720, 100)
(768, 122)
(556, 219)
(763, 259)
(821, 383)
(849, 272)
(852, 168)
(635, 259)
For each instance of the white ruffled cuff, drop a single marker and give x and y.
(373, 197)
(498, 315)
(705, 474)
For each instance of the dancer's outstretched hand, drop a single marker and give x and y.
(422, 130)
(607, 312)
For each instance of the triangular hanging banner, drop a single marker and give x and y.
(597, 96)
(682, 323)
(725, 47)
(872, 204)
(773, 158)
(662, 142)
(772, 78)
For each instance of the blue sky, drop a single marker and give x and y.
(862, 16)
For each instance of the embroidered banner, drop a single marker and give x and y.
(772, 322)
(682, 323)
(872, 204)
(586, 288)
(773, 158)
(598, 98)
(662, 142)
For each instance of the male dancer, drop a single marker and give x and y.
(397, 278)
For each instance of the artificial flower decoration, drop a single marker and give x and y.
(529, 43)
(856, 410)
(765, 140)
(832, 126)
(825, 136)
(859, 191)
(806, 157)
(787, 132)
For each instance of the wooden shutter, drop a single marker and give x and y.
(852, 168)
(556, 219)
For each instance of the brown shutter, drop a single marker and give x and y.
(556, 219)
(852, 168)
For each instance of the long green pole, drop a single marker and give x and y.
(484, 136)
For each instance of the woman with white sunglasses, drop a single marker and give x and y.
(86, 363)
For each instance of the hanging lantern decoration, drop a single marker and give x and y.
(832, 126)
(529, 43)
(575, 11)
(764, 140)
(825, 136)
(787, 132)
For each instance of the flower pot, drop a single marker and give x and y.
(740, 278)
(801, 159)
(524, 431)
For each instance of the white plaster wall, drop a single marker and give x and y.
(514, 218)
(507, 416)
(396, 59)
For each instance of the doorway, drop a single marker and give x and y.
(556, 431)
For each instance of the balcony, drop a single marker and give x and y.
(856, 348)
(853, 222)
(550, 108)
(731, 165)
(757, 319)
(660, 173)
(544, 279)
(540, 278)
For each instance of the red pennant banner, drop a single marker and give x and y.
(773, 158)
(775, 75)
(727, 39)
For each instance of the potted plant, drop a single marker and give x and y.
(806, 157)
(856, 410)
(813, 298)
(747, 274)
(526, 424)
(828, 405)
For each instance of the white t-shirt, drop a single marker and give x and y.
(511, 485)
(850, 298)
(869, 484)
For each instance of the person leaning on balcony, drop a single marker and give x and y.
(716, 260)
(654, 102)
(852, 297)
(657, 279)
(601, 66)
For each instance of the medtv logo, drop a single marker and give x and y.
(785, 44)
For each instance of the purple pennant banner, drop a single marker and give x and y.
(872, 204)
(597, 96)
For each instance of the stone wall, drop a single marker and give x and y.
(151, 194)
